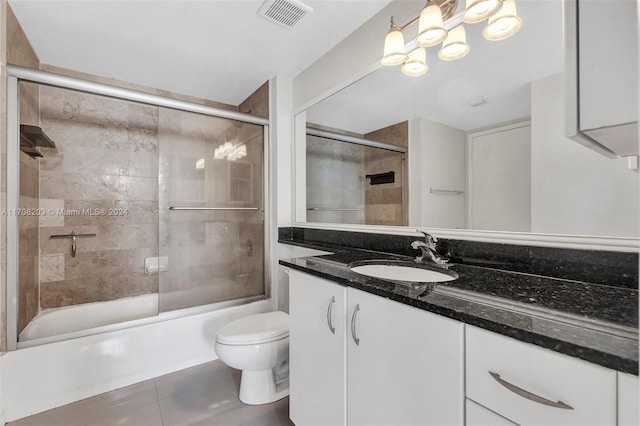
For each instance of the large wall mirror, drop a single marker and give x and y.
(473, 144)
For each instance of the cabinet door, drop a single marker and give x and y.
(500, 178)
(406, 368)
(628, 412)
(317, 356)
(608, 57)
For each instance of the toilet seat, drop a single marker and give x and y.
(253, 329)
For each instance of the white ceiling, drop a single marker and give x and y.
(214, 49)
(500, 71)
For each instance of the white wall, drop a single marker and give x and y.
(355, 57)
(575, 190)
(281, 93)
(437, 159)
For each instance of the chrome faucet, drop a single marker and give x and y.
(429, 247)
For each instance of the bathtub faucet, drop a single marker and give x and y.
(74, 238)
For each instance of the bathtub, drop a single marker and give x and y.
(92, 361)
(70, 319)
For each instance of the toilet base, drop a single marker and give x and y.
(259, 387)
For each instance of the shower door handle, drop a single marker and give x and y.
(329, 315)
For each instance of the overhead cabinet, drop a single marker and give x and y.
(361, 359)
(601, 75)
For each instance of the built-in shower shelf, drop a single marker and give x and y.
(381, 178)
(31, 137)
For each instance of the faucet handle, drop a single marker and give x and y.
(429, 239)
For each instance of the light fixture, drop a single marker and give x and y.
(479, 10)
(503, 22)
(416, 64)
(230, 151)
(455, 45)
(394, 51)
(430, 26)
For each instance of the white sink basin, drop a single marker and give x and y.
(403, 273)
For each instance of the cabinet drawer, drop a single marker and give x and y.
(531, 385)
(477, 415)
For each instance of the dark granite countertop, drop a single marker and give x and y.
(593, 322)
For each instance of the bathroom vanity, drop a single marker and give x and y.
(491, 347)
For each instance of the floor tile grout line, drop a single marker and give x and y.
(155, 385)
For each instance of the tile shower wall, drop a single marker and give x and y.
(103, 175)
(385, 203)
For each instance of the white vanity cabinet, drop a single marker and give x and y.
(407, 367)
(477, 415)
(530, 385)
(398, 365)
(317, 351)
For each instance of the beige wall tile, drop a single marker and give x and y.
(73, 186)
(53, 217)
(97, 288)
(258, 102)
(384, 203)
(52, 268)
(18, 47)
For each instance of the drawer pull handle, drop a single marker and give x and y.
(353, 325)
(329, 311)
(530, 396)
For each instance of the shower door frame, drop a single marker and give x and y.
(17, 74)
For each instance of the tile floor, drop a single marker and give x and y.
(203, 395)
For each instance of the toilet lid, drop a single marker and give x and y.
(259, 328)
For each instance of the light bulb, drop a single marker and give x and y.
(479, 10)
(430, 27)
(394, 51)
(416, 64)
(503, 24)
(455, 46)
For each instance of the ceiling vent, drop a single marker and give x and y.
(286, 13)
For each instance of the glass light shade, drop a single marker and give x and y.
(430, 27)
(394, 52)
(503, 24)
(417, 63)
(455, 46)
(479, 10)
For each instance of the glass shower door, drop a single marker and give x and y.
(211, 210)
(88, 211)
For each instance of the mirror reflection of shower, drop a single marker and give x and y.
(357, 178)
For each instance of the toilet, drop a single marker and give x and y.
(259, 346)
